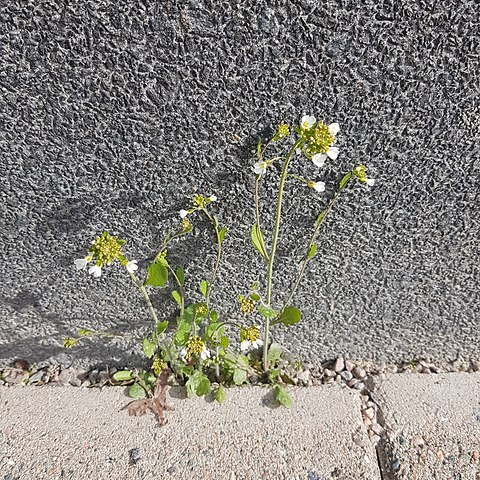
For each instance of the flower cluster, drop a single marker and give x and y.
(319, 139)
(199, 203)
(104, 250)
(360, 171)
(250, 338)
(247, 305)
(158, 365)
(195, 346)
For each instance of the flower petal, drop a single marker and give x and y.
(370, 182)
(95, 270)
(319, 186)
(131, 266)
(319, 159)
(183, 213)
(308, 121)
(80, 263)
(213, 198)
(333, 152)
(245, 345)
(334, 128)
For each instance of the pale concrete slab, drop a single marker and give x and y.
(71, 433)
(432, 425)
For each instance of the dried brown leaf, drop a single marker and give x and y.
(157, 404)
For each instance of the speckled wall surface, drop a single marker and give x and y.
(111, 113)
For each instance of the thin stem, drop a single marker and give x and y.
(180, 288)
(142, 288)
(274, 246)
(318, 223)
(219, 253)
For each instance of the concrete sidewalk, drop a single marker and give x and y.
(431, 431)
(72, 433)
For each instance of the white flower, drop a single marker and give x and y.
(317, 186)
(204, 354)
(248, 345)
(183, 213)
(182, 353)
(308, 121)
(260, 168)
(96, 271)
(334, 128)
(131, 266)
(212, 198)
(81, 263)
(319, 158)
(370, 182)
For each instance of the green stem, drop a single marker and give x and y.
(142, 288)
(180, 288)
(274, 247)
(219, 253)
(318, 223)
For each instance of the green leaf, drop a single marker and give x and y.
(84, 332)
(214, 316)
(344, 180)
(282, 396)
(289, 316)
(180, 275)
(157, 275)
(197, 384)
(148, 347)
(224, 341)
(123, 375)
(267, 312)
(203, 387)
(274, 353)
(176, 296)
(221, 394)
(259, 148)
(321, 217)
(183, 332)
(239, 376)
(161, 327)
(204, 288)
(257, 240)
(255, 297)
(221, 234)
(136, 391)
(312, 250)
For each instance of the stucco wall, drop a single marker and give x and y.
(111, 113)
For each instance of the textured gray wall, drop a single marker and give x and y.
(112, 112)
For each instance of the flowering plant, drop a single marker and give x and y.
(205, 349)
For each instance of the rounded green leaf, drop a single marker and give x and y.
(180, 275)
(290, 316)
(221, 394)
(239, 376)
(204, 288)
(148, 347)
(123, 375)
(136, 391)
(203, 387)
(157, 275)
(161, 327)
(282, 396)
(176, 296)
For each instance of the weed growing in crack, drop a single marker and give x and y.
(205, 350)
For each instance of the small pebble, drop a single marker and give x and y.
(370, 413)
(418, 441)
(349, 365)
(134, 455)
(359, 386)
(395, 465)
(352, 382)
(359, 373)
(346, 375)
(37, 377)
(339, 364)
(377, 429)
(375, 439)
(328, 373)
